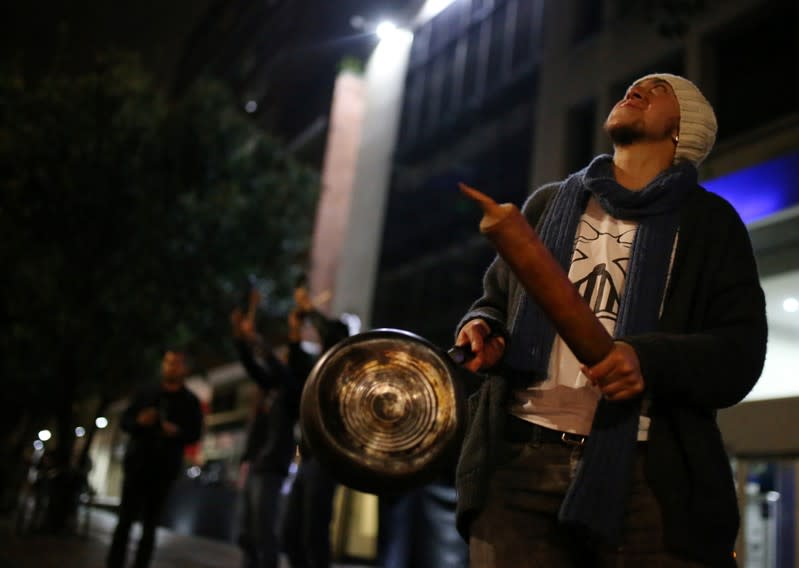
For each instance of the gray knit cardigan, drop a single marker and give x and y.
(707, 354)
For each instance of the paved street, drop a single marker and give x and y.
(173, 550)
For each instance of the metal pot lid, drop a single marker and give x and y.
(382, 409)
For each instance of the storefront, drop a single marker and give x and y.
(762, 433)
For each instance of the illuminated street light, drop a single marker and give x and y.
(251, 106)
(80, 431)
(45, 435)
(101, 422)
(38, 445)
(385, 29)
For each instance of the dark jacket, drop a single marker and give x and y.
(273, 449)
(257, 436)
(288, 380)
(707, 353)
(149, 450)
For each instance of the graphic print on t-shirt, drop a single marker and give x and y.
(599, 265)
(566, 400)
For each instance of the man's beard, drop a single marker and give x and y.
(628, 134)
(625, 135)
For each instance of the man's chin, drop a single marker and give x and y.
(624, 135)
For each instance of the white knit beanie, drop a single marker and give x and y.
(698, 124)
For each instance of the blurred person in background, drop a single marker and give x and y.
(270, 445)
(305, 532)
(161, 420)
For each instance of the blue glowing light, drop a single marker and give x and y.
(762, 190)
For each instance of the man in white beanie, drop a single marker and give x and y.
(620, 463)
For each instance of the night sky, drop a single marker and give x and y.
(153, 28)
(304, 62)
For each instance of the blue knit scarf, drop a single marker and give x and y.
(596, 498)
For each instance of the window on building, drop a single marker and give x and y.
(420, 46)
(526, 33)
(481, 7)
(580, 129)
(445, 28)
(498, 52)
(587, 19)
(749, 92)
(412, 107)
(473, 69)
(448, 103)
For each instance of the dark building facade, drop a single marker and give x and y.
(467, 116)
(508, 94)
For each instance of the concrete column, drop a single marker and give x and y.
(356, 272)
(333, 214)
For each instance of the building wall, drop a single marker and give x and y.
(461, 123)
(596, 67)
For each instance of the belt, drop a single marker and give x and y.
(518, 430)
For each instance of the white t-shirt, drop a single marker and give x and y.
(566, 400)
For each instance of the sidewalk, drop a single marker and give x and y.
(70, 551)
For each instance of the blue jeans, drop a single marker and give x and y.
(258, 519)
(519, 526)
(305, 531)
(417, 530)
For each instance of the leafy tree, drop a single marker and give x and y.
(129, 223)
